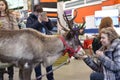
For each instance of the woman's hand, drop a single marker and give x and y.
(99, 53)
(45, 19)
(81, 56)
(44, 16)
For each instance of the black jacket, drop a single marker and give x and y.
(32, 22)
(96, 44)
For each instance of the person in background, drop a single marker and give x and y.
(7, 19)
(105, 22)
(96, 44)
(40, 22)
(108, 55)
(7, 22)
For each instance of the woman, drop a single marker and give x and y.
(7, 22)
(108, 55)
(96, 44)
(105, 22)
(7, 19)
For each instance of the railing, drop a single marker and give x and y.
(90, 1)
(75, 3)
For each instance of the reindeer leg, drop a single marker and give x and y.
(20, 74)
(27, 73)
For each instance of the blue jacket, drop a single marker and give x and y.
(110, 62)
(32, 22)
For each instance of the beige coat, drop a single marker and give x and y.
(9, 24)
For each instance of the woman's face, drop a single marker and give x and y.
(2, 6)
(104, 39)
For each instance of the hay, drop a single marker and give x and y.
(61, 60)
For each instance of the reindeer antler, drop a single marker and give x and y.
(83, 23)
(69, 22)
(64, 28)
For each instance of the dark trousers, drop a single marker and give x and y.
(10, 72)
(96, 76)
(38, 72)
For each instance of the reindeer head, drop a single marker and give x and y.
(72, 35)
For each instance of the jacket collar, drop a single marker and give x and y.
(33, 15)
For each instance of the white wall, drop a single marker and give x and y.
(60, 15)
(90, 22)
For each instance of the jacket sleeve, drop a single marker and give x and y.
(112, 64)
(35, 24)
(93, 65)
(48, 24)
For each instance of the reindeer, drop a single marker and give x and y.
(27, 48)
(70, 24)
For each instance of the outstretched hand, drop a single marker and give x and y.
(80, 55)
(99, 53)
